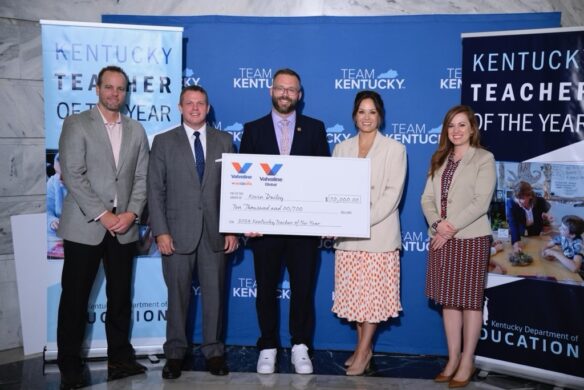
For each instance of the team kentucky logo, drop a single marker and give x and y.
(241, 168)
(271, 171)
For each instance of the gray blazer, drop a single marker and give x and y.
(178, 204)
(388, 174)
(469, 196)
(92, 179)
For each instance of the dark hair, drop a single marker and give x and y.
(574, 223)
(289, 72)
(194, 88)
(111, 68)
(445, 147)
(377, 102)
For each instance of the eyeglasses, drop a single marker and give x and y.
(290, 91)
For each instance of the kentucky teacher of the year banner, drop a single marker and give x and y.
(527, 88)
(73, 54)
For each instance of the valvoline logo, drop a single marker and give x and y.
(271, 171)
(241, 168)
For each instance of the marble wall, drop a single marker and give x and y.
(22, 159)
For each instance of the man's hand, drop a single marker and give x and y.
(231, 243)
(125, 220)
(165, 244)
(109, 220)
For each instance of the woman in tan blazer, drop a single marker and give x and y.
(455, 202)
(367, 270)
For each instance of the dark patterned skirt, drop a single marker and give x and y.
(456, 274)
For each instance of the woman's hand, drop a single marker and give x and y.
(446, 229)
(517, 247)
(438, 242)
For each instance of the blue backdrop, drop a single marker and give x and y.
(414, 62)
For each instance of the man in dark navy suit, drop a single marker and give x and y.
(284, 131)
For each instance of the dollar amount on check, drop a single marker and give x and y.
(295, 195)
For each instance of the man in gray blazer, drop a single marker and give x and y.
(184, 187)
(104, 162)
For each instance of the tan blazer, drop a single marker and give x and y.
(469, 196)
(388, 172)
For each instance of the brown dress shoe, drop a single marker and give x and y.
(441, 378)
(454, 384)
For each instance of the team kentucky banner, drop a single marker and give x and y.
(73, 54)
(414, 62)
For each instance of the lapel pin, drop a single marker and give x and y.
(298, 128)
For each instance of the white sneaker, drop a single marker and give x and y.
(300, 360)
(267, 361)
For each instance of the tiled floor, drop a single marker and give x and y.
(389, 371)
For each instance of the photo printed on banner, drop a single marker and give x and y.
(537, 216)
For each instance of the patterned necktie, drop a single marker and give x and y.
(285, 140)
(199, 156)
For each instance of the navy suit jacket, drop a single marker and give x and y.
(259, 137)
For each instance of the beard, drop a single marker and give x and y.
(284, 105)
(113, 105)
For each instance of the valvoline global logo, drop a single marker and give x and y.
(271, 171)
(241, 168)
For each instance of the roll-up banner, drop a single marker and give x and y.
(73, 54)
(527, 88)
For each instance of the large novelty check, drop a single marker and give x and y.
(295, 195)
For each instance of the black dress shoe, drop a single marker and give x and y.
(118, 370)
(172, 368)
(217, 365)
(72, 380)
(74, 373)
